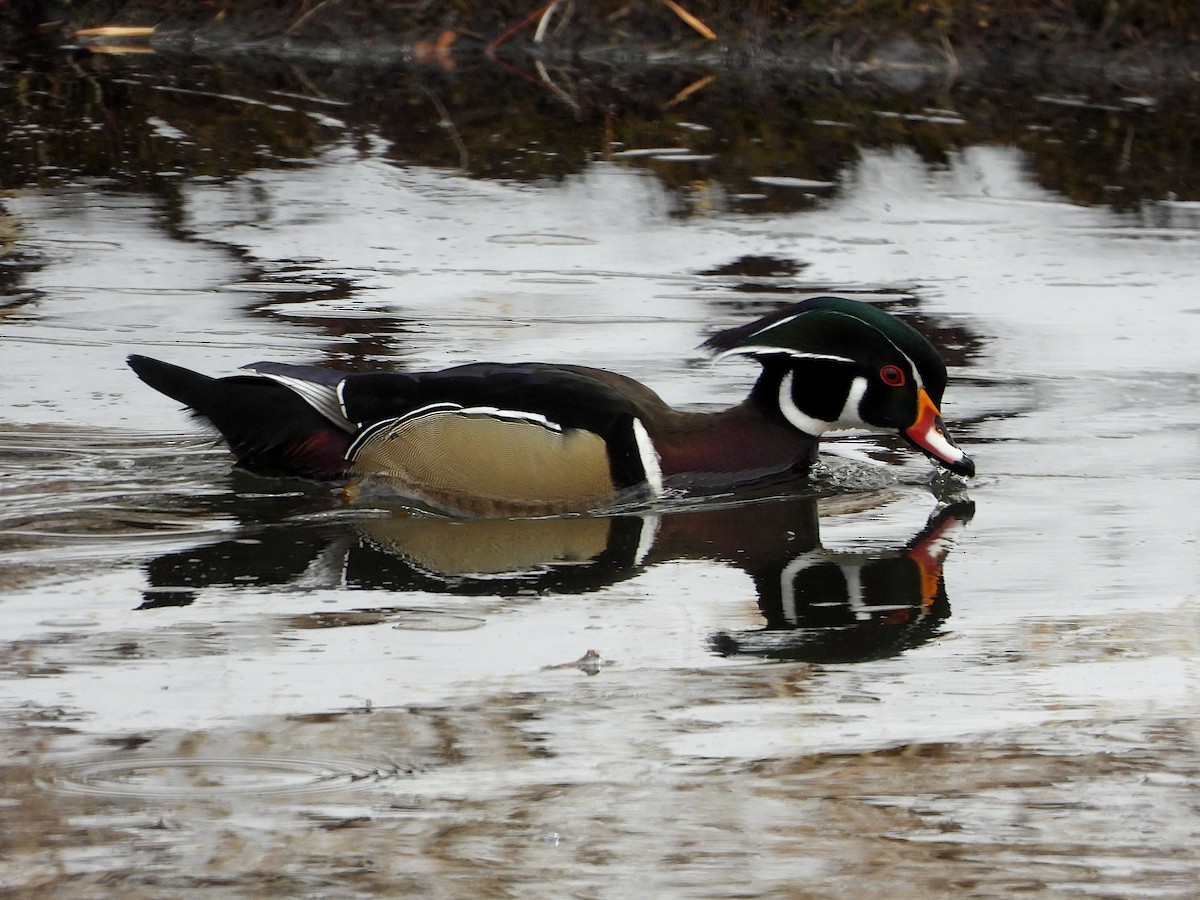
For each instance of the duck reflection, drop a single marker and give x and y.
(828, 606)
(817, 604)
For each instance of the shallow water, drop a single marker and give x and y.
(888, 680)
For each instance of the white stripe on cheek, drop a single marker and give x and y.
(793, 413)
(916, 372)
(849, 416)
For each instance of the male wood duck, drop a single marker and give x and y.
(544, 438)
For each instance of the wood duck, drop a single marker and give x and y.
(541, 438)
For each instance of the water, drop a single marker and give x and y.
(885, 681)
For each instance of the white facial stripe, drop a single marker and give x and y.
(913, 366)
(767, 350)
(793, 413)
(778, 324)
(849, 416)
(649, 456)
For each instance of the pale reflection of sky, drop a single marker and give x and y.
(476, 263)
(1089, 333)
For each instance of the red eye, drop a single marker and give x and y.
(893, 376)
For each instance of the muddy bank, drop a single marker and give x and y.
(1128, 43)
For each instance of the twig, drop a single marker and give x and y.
(690, 19)
(544, 22)
(951, 57)
(295, 26)
(464, 156)
(697, 85)
(507, 34)
(558, 92)
(116, 31)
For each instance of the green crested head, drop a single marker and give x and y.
(833, 362)
(836, 328)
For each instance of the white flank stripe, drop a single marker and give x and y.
(649, 456)
(367, 435)
(491, 412)
(341, 398)
(422, 411)
(513, 415)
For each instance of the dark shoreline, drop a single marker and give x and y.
(1132, 44)
(1096, 124)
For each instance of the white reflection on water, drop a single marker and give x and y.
(1073, 592)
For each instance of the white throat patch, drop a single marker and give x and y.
(847, 418)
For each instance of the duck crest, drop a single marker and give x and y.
(836, 329)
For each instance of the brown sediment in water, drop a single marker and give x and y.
(1132, 41)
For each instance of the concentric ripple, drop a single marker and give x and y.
(172, 776)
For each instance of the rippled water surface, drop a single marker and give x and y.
(885, 680)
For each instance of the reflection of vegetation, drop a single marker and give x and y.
(8, 234)
(147, 122)
(971, 22)
(99, 117)
(623, 22)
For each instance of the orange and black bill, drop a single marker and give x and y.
(929, 435)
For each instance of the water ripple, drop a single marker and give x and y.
(173, 776)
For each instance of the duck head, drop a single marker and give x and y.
(832, 363)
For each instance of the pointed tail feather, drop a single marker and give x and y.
(188, 387)
(269, 427)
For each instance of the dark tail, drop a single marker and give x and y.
(270, 428)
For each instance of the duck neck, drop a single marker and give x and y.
(811, 395)
(748, 442)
